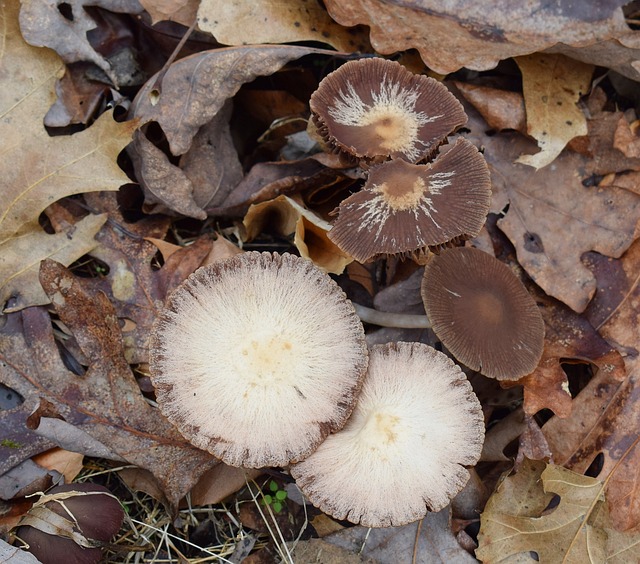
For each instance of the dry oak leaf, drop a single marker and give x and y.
(236, 22)
(106, 401)
(195, 88)
(38, 170)
(551, 217)
(552, 85)
(134, 287)
(179, 11)
(578, 530)
(604, 427)
(454, 34)
(44, 24)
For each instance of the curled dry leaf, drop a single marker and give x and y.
(179, 11)
(483, 35)
(272, 21)
(552, 84)
(105, 402)
(195, 88)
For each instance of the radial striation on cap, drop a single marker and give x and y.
(258, 358)
(482, 313)
(405, 207)
(403, 452)
(376, 109)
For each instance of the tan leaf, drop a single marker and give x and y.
(501, 109)
(20, 258)
(516, 520)
(552, 84)
(237, 22)
(179, 11)
(455, 34)
(37, 170)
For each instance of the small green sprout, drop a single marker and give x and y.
(8, 443)
(276, 498)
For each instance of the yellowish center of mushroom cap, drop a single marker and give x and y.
(267, 361)
(401, 196)
(380, 429)
(395, 129)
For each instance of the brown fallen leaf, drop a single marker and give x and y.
(78, 98)
(43, 24)
(195, 88)
(105, 402)
(501, 109)
(38, 170)
(267, 21)
(516, 520)
(135, 288)
(552, 217)
(552, 85)
(430, 539)
(568, 338)
(484, 34)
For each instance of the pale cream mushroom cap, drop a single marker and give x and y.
(258, 358)
(403, 452)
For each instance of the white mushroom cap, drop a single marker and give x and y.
(402, 453)
(258, 358)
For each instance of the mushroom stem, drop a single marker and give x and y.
(391, 319)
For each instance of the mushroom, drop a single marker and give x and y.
(258, 358)
(71, 524)
(482, 313)
(403, 452)
(406, 208)
(374, 109)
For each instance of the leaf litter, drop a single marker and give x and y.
(219, 159)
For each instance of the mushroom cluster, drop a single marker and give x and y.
(261, 360)
(378, 114)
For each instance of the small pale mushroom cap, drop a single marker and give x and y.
(405, 207)
(258, 358)
(403, 452)
(482, 313)
(376, 109)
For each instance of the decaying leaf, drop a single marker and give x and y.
(195, 88)
(552, 218)
(38, 170)
(179, 11)
(552, 85)
(568, 338)
(501, 109)
(105, 402)
(135, 288)
(435, 542)
(516, 519)
(455, 34)
(267, 21)
(43, 24)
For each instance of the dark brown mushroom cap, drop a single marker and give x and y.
(258, 358)
(98, 518)
(375, 108)
(482, 313)
(405, 207)
(403, 452)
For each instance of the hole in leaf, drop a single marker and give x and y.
(66, 10)
(579, 375)
(89, 267)
(596, 466)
